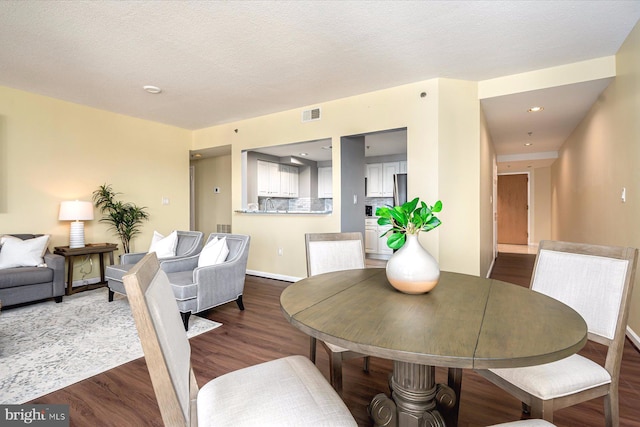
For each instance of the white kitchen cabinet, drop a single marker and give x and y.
(382, 241)
(288, 181)
(374, 180)
(371, 236)
(285, 183)
(268, 179)
(371, 240)
(388, 170)
(276, 180)
(373, 243)
(294, 182)
(325, 182)
(380, 178)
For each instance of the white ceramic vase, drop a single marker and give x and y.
(412, 269)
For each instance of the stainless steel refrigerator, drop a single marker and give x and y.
(399, 189)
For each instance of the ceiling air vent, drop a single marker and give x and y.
(311, 115)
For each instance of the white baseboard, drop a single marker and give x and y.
(635, 339)
(493, 261)
(273, 276)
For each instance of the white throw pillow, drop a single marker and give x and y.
(164, 247)
(16, 252)
(215, 252)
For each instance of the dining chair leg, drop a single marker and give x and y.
(312, 350)
(611, 408)
(335, 371)
(542, 409)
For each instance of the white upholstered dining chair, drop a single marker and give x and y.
(596, 281)
(287, 392)
(327, 252)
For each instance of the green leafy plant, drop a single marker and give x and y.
(124, 218)
(409, 218)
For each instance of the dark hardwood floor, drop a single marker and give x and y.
(124, 396)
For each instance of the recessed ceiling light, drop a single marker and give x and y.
(535, 109)
(326, 147)
(152, 89)
(304, 154)
(527, 144)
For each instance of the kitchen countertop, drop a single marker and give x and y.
(283, 212)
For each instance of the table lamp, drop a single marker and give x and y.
(76, 211)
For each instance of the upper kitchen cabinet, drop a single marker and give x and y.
(288, 181)
(380, 178)
(325, 182)
(388, 170)
(268, 179)
(276, 180)
(374, 180)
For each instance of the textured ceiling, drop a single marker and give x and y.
(221, 61)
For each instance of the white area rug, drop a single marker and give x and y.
(47, 346)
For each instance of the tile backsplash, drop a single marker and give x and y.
(377, 202)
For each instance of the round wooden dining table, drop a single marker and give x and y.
(464, 322)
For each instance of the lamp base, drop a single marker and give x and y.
(76, 235)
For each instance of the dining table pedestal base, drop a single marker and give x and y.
(416, 400)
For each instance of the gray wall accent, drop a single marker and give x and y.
(352, 172)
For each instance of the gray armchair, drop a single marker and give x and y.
(189, 244)
(200, 288)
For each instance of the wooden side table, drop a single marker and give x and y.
(90, 249)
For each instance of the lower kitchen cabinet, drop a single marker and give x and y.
(373, 243)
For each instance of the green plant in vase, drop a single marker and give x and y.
(409, 218)
(411, 269)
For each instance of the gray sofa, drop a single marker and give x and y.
(20, 285)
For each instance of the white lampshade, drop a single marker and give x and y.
(77, 212)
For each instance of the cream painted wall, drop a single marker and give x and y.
(540, 204)
(212, 208)
(597, 161)
(440, 132)
(488, 179)
(459, 176)
(51, 150)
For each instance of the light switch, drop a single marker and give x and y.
(355, 199)
(165, 200)
(623, 196)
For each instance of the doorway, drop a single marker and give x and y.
(210, 190)
(513, 209)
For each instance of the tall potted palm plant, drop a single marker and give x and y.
(123, 217)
